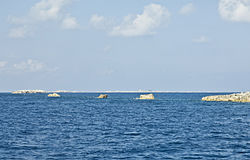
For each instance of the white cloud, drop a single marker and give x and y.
(19, 32)
(201, 39)
(152, 17)
(45, 10)
(30, 66)
(18, 20)
(101, 22)
(188, 8)
(48, 9)
(3, 64)
(235, 10)
(69, 23)
(97, 21)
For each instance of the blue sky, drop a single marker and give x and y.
(184, 45)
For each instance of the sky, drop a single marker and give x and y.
(93, 45)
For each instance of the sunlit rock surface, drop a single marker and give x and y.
(236, 97)
(103, 96)
(54, 95)
(146, 96)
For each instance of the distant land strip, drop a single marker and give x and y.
(115, 91)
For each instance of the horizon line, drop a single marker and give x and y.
(128, 91)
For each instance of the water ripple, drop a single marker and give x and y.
(80, 126)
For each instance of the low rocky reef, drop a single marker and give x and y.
(146, 96)
(236, 97)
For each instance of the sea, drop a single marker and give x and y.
(81, 126)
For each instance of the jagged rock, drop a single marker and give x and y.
(146, 96)
(103, 96)
(28, 91)
(236, 97)
(54, 95)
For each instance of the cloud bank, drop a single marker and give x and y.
(26, 66)
(30, 66)
(43, 11)
(235, 10)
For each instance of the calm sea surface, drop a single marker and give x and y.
(80, 126)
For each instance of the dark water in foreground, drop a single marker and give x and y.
(79, 126)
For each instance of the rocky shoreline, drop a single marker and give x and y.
(41, 91)
(236, 97)
(28, 91)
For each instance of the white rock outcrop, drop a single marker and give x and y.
(146, 96)
(54, 95)
(102, 96)
(236, 97)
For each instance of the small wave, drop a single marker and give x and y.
(132, 133)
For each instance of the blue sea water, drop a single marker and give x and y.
(80, 126)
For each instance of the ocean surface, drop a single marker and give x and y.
(80, 126)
